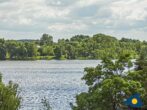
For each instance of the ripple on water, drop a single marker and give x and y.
(58, 81)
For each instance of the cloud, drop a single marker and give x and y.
(67, 27)
(61, 17)
(130, 10)
(83, 3)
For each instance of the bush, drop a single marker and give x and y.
(9, 97)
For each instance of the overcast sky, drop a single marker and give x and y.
(29, 19)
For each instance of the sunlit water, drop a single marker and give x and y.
(58, 81)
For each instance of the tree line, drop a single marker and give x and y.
(77, 47)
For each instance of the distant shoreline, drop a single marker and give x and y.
(44, 59)
(79, 47)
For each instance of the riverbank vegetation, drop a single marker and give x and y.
(77, 47)
(9, 96)
(110, 85)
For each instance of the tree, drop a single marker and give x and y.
(143, 53)
(79, 38)
(46, 51)
(57, 52)
(2, 49)
(21, 51)
(140, 74)
(9, 97)
(101, 38)
(108, 86)
(46, 40)
(2, 52)
(12, 49)
(70, 50)
(32, 49)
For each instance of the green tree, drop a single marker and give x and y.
(140, 74)
(9, 97)
(46, 51)
(2, 49)
(70, 50)
(21, 51)
(2, 52)
(57, 52)
(143, 53)
(46, 40)
(12, 49)
(79, 38)
(32, 49)
(108, 86)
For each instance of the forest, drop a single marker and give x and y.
(77, 47)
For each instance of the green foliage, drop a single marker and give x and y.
(79, 38)
(46, 50)
(12, 49)
(108, 85)
(21, 51)
(140, 74)
(32, 49)
(9, 97)
(70, 50)
(2, 49)
(57, 52)
(143, 53)
(77, 47)
(46, 40)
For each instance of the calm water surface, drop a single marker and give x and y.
(58, 81)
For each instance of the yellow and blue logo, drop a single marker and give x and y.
(134, 101)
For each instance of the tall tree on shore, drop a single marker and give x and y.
(108, 86)
(46, 40)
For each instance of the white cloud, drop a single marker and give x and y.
(73, 16)
(29, 9)
(67, 27)
(130, 9)
(24, 21)
(84, 3)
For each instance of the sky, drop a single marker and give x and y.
(29, 19)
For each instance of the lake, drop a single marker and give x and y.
(58, 81)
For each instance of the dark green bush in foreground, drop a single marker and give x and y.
(9, 97)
